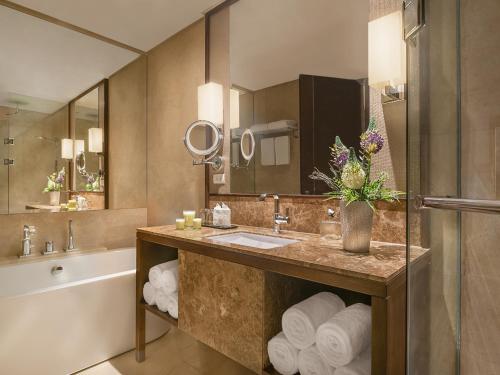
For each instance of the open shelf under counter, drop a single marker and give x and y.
(159, 313)
(253, 284)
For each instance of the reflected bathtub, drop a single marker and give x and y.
(60, 323)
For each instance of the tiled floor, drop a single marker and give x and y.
(176, 353)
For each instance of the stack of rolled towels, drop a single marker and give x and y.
(322, 336)
(162, 288)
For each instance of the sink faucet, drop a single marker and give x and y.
(278, 218)
(28, 230)
(71, 242)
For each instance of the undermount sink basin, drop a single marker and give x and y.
(258, 241)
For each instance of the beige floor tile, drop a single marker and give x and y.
(176, 353)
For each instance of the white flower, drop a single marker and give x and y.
(353, 175)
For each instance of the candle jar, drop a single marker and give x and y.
(197, 223)
(188, 217)
(180, 224)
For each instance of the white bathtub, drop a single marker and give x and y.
(59, 324)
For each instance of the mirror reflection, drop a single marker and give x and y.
(300, 83)
(52, 115)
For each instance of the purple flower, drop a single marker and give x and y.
(340, 153)
(371, 142)
(59, 179)
(90, 179)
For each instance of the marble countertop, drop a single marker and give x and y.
(382, 264)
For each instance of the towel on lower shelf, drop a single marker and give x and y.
(149, 293)
(283, 355)
(346, 335)
(162, 301)
(301, 321)
(156, 273)
(170, 280)
(360, 366)
(173, 305)
(311, 363)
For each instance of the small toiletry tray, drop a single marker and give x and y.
(232, 226)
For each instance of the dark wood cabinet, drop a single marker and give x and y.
(329, 107)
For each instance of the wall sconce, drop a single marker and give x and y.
(387, 55)
(67, 148)
(210, 103)
(96, 140)
(234, 108)
(210, 116)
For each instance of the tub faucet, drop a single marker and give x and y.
(278, 218)
(71, 241)
(28, 230)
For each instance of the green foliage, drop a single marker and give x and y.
(343, 175)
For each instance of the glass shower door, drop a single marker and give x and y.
(453, 169)
(433, 164)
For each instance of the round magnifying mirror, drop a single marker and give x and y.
(195, 139)
(247, 145)
(80, 162)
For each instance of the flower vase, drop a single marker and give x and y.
(357, 222)
(55, 197)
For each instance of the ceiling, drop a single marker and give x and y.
(272, 42)
(141, 24)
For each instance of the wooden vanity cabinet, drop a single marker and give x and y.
(233, 301)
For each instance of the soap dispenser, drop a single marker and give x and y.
(330, 229)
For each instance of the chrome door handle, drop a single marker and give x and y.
(458, 204)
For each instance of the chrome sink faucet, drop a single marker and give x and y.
(28, 230)
(71, 240)
(278, 218)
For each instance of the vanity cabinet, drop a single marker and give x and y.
(232, 297)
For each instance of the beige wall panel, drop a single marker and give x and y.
(175, 70)
(128, 136)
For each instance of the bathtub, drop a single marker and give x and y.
(60, 323)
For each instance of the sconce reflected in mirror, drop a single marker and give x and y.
(194, 139)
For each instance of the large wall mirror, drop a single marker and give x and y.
(296, 84)
(54, 115)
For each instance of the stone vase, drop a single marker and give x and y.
(55, 198)
(357, 223)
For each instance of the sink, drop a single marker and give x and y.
(258, 241)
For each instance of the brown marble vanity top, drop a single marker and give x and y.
(384, 261)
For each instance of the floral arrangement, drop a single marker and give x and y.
(350, 179)
(93, 182)
(55, 181)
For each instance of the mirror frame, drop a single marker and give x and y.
(208, 16)
(104, 83)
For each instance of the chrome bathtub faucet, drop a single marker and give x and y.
(71, 240)
(278, 218)
(28, 231)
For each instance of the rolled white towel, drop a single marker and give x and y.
(162, 301)
(346, 335)
(156, 276)
(283, 355)
(360, 366)
(312, 363)
(170, 281)
(149, 293)
(173, 305)
(301, 321)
